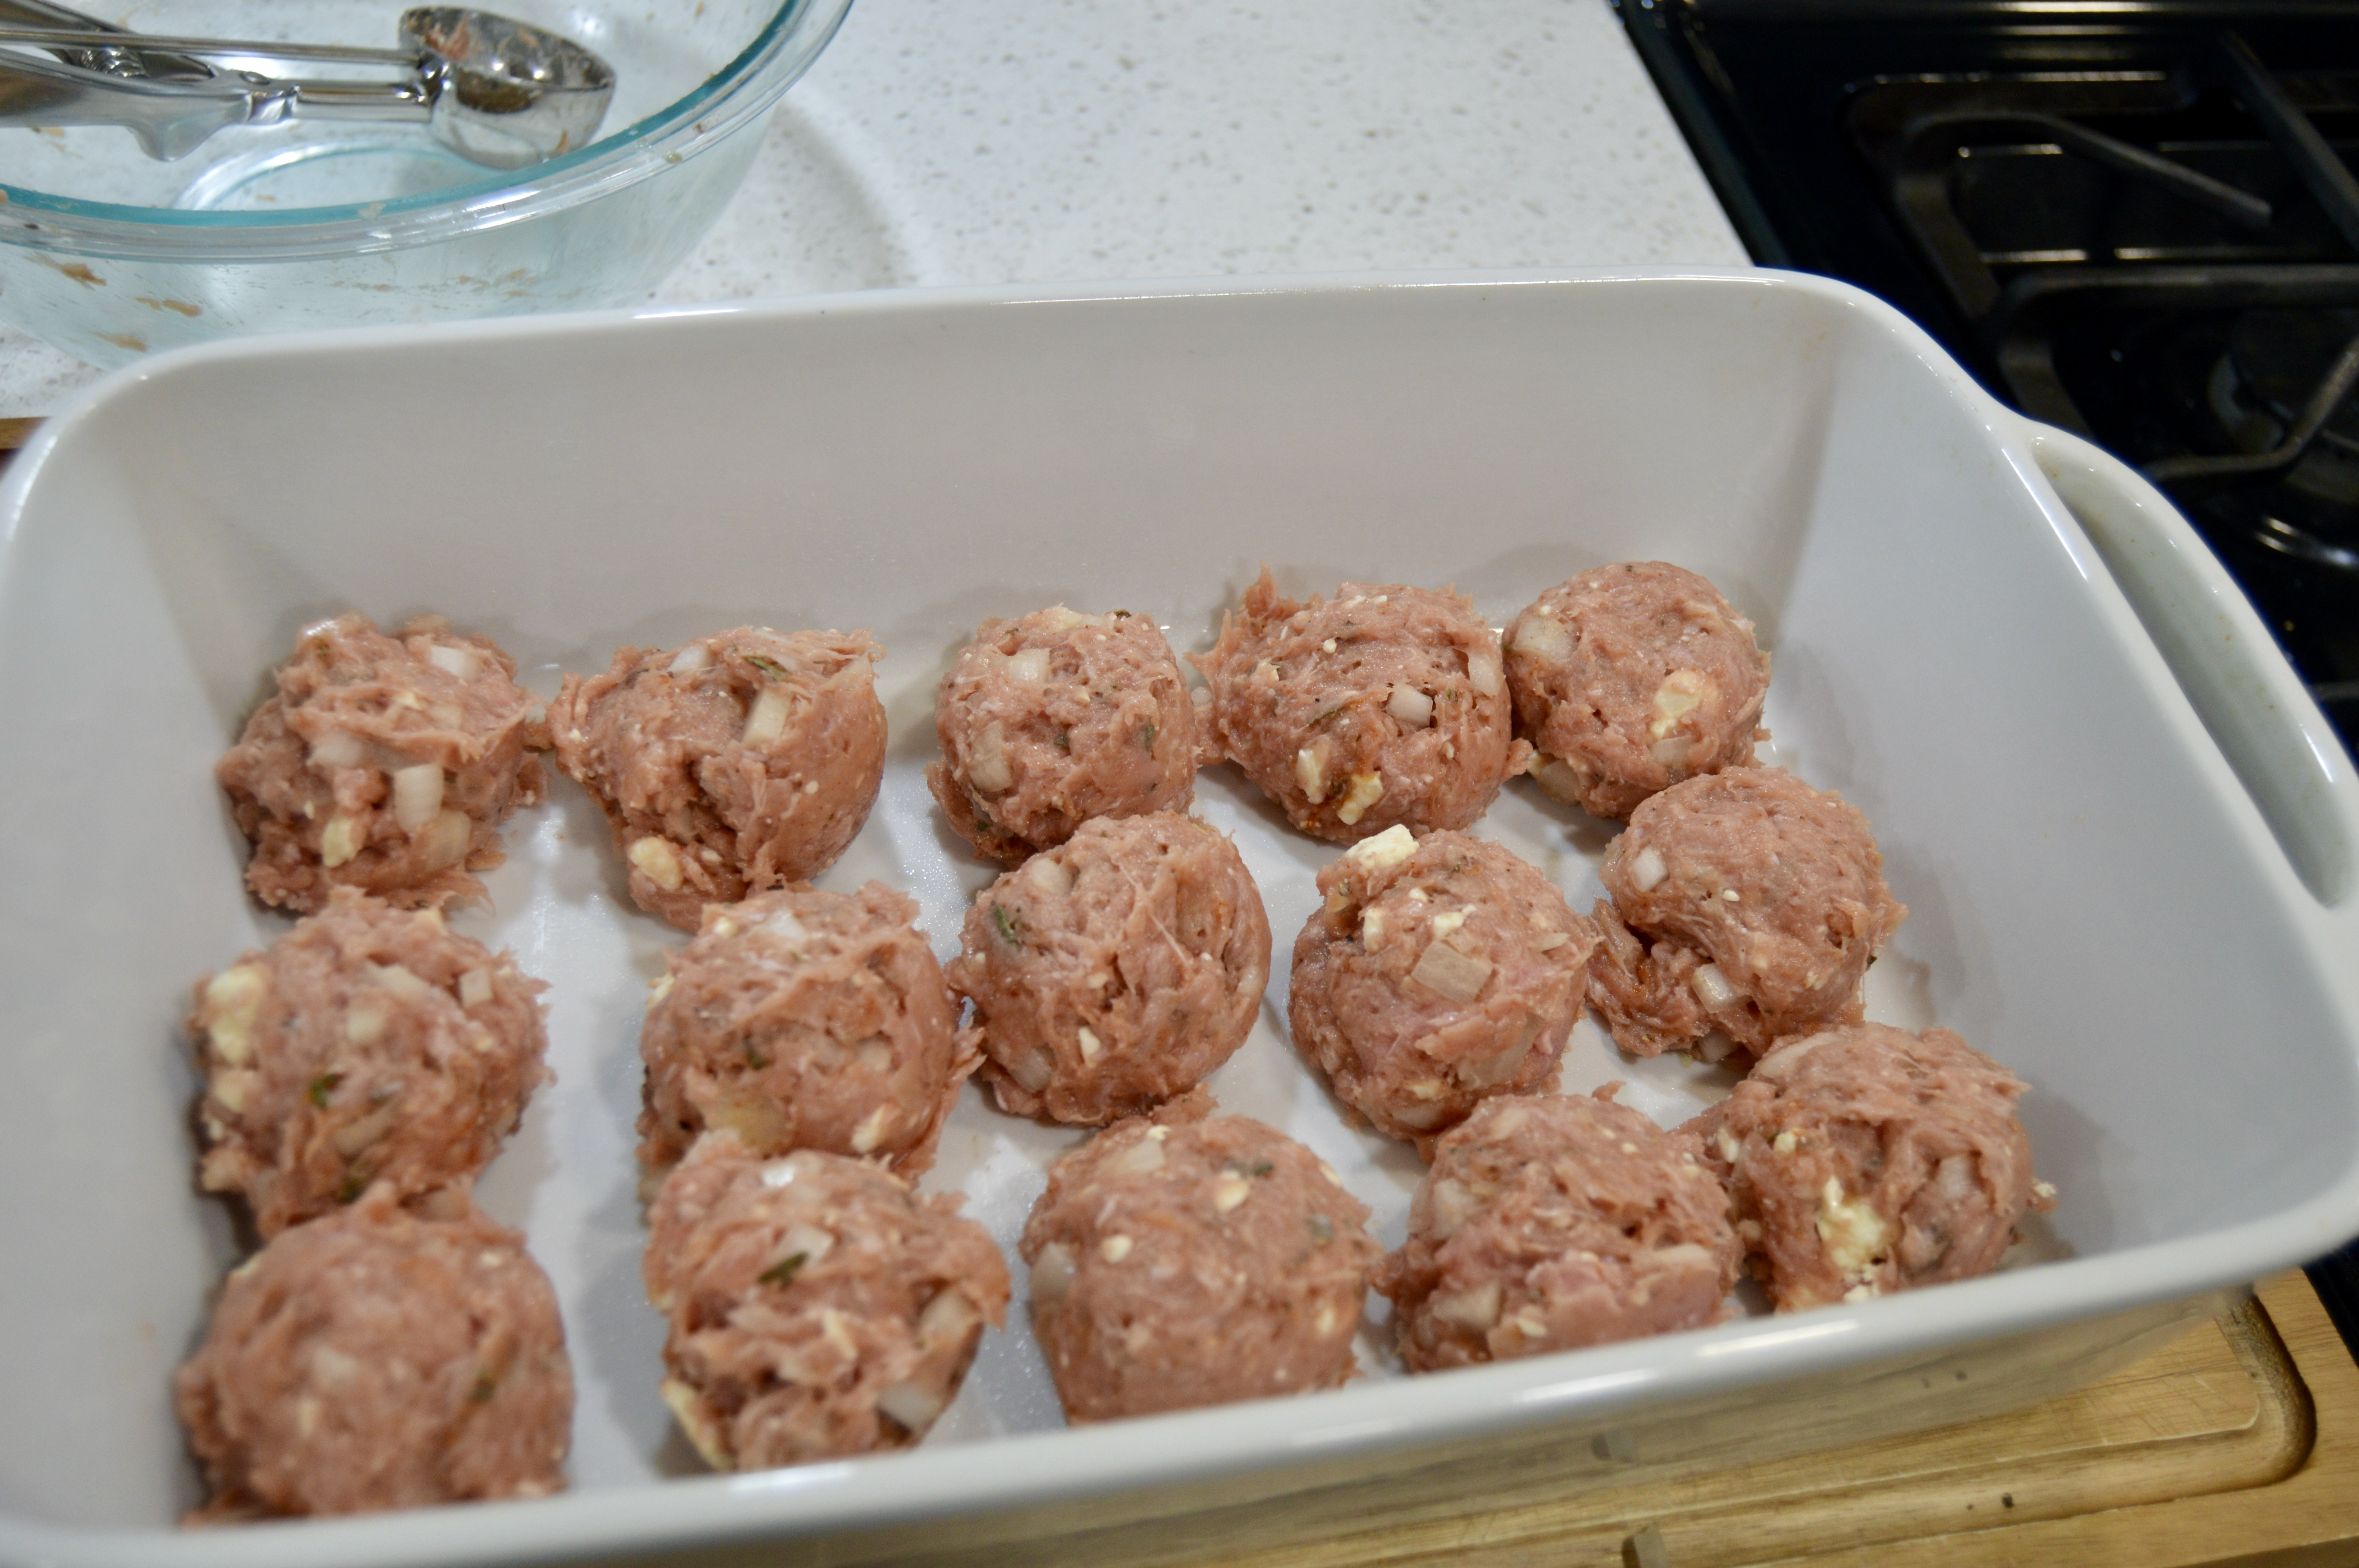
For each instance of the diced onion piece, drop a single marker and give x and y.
(340, 840)
(688, 1409)
(364, 1023)
(767, 720)
(1060, 619)
(1229, 1190)
(233, 1002)
(911, 1405)
(417, 795)
(339, 748)
(987, 767)
(1141, 1157)
(1557, 779)
(1050, 876)
(1032, 1069)
(231, 1086)
(1372, 928)
(465, 663)
(1647, 871)
(658, 861)
(1672, 751)
(1457, 976)
(1712, 988)
(873, 1129)
(1029, 664)
(949, 1316)
(400, 980)
(1311, 773)
(1682, 693)
(476, 987)
(1448, 1206)
(1052, 1274)
(1542, 636)
(1365, 791)
(355, 1136)
(1090, 1043)
(1476, 1308)
(692, 657)
(1421, 1116)
(1483, 673)
(1411, 705)
(1383, 850)
(806, 1241)
(447, 838)
(1491, 1070)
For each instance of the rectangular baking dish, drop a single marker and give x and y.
(2132, 886)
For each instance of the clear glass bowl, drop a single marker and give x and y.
(107, 254)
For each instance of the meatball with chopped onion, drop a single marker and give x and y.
(1382, 706)
(1439, 972)
(1052, 720)
(736, 763)
(1193, 1260)
(799, 1018)
(368, 1045)
(380, 1358)
(1629, 678)
(1867, 1159)
(1744, 901)
(1116, 970)
(382, 763)
(817, 1308)
(1550, 1222)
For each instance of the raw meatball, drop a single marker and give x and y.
(1114, 971)
(804, 1019)
(1867, 1159)
(378, 1359)
(1744, 901)
(368, 1046)
(384, 763)
(1628, 679)
(1550, 1222)
(1440, 971)
(737, 762)
(1184, 1261)
(1382, 706)
(817, 1308)
(1050, 721)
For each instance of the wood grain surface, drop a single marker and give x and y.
(2235, 1441)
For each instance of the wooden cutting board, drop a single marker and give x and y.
(2237, 1443)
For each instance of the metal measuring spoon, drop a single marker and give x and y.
(495, 91)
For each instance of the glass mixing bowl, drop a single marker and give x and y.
(107, 254)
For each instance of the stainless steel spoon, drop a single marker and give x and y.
(495, 91)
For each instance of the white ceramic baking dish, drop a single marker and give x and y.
(2096, 898)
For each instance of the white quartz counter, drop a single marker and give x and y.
(940, 142)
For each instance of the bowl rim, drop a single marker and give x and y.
(740, 92)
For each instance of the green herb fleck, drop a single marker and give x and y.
(482, 1392)
(783, 1272)
(770, 667)
(1062, 739)
(1322, 1229)
(356, 1184)
(756, 1057)
(1147, 737)
(1010, 929)
(322, 1088)
(1260, 1168)
(1326, 715)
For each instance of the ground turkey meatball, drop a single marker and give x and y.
(384, 763)
(1868, 1160)
(1050, 721)
(1439, 972)
(818, 1308)
(1629, 678)
(1116, 970)
(1184, 1261)
(803, 1020)
(1550, 1222)
(1384, 705)
(369, 1045)
(741, 762)
(1744, 901)
(379, 1359)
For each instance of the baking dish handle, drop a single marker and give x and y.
(2281, 748)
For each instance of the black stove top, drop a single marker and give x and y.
(2136, 221)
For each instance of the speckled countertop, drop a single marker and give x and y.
(1037, 140)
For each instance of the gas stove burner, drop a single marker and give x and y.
(2280, 357)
